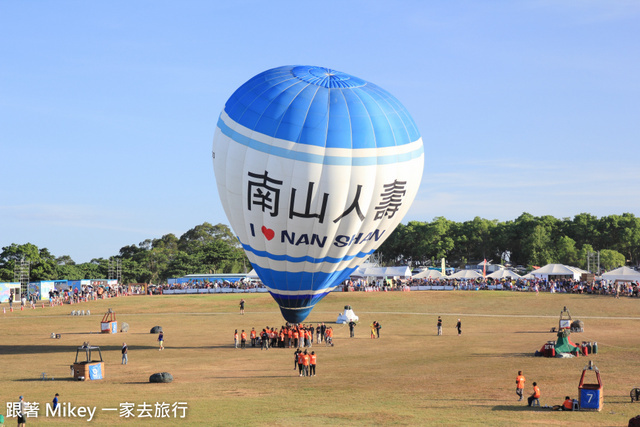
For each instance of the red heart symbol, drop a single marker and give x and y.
(268, 233)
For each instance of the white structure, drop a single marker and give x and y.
(465, 275)
(428, 274)
(557, 271)
(622, 274)
(347, 316)
(503, 273)
(383, 272)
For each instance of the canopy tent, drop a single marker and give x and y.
(252, 275)
(428, 274)
(557, 271)
(465, 275)
(503, 273)
(528, 276)
(623, 274)
(403, 272)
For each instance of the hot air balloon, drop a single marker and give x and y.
(314, 168)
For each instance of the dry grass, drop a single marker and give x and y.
(408, 377)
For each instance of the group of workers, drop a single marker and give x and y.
(287, 337)
(305, 362)
(567, 405)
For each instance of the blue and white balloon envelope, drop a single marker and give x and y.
(315, 168)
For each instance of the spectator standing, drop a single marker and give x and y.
(352, 326)
(161, 340)
(22, 418)
(125, 352)
(439, 325)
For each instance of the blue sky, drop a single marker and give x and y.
(108, 109)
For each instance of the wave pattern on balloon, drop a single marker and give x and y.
(314, 168)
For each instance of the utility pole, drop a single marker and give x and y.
(593, 261)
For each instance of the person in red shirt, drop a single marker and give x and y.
(520, 380)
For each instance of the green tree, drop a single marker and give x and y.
(566, 251)
(611, 259)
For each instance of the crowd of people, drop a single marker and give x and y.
(627, 289)
(288, 336)
(209, 284)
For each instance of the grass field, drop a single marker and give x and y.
(410, 376)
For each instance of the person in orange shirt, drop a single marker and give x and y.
(296, 335)
(305, 363)
(536, 393)
(520, 385)
(235, 339)
(252, 334)
(567, 405)
(312, 363)
(243, 339)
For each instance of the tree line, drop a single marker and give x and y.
(528, 240)
(205, 248)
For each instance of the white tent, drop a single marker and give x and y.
(623, 274)
(428, 274)
(252, 275)
(558, 270)
(403, 272)
(465, 275)
(503, 273)
(528, 276)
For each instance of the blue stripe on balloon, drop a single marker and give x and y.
(300, 282)
(295, 308)
(317, 158)
(306, 258)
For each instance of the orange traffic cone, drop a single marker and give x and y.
(22, 308)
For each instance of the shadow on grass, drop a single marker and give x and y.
(48, 349)
(503, 355)
(28, 380)
(514, 408)
(535, 332)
